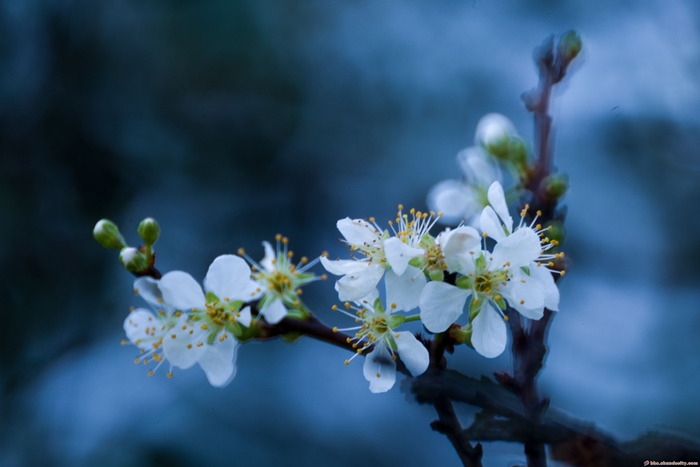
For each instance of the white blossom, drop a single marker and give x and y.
(378, 332)
(514, 272)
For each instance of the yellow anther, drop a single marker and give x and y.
(563, 272)
(241, 251)
(204, 326)
(278, 237)
(150, 373)
(335, 329)
(160, 300)
(522, 302)
(484, 234)
(334, 307)
(400, 206)
(347, 362)
(393, 357)
(539, 213)
(136, 291)
(377, 374)
(396, 335)
(347, 340)
(221, 338)
(290, 254)
(170, 374)
(189, 346)
(145, 361)
(359, 350)
(393, 305)
(137, 360)
(199, 344)
(347, 305)
(173, 336)
(550, 264)
(131, 309)
(324, 277)
(285, 240)
(123, 341)
(412, 211)
(505, 318)
(354, 346)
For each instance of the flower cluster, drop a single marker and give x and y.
(193, 325)
(514, 273)
(491, 272)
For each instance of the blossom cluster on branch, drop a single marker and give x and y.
(441, 276)
(501, 272)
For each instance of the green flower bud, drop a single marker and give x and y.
(107, 234)
(556, 186)
(556, 232)
(149, 230)
(461, 335)
(570, 46)
(493, 133)
(132, 259)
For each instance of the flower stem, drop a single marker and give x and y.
(412, 318)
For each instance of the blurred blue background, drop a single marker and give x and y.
(231, 121)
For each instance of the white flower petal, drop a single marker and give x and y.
(489, 336)
(525, 293)
(229, 277)
(479, 166)
(352, 287)
(219, 362)
(341, 267)
(369, 299)
(147, 288)
(274, 311)
(268, 262)
(136, 325)
(454, 199)
(358, 231)
(520, 248)
(181, 291)
(441, 304)
(498, 200)
(551, 299)
(245, 317)
(398, 254)
(491, 225)
(413, 354)
(404, 290)
(176, 349)
(379, 369)
(460, 249)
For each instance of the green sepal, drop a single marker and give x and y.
(234, 305)
(395, 321)
(526, 270)
(211, 297)
(305, 276)
(464, 282)
(461, 335)
(418, 262)
(234, 328)
(480, 261)
(392, 344)
(474, 308)
(500, 302)
(436, 275)
(428, 240)
(378, 305)
(386, 235)
(210, 338)
(295, 314)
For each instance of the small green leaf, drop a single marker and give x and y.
(500, 302)
(526, 270)
(474, 307)
(392, 344)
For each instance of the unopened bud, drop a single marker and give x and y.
(569, 46)
(107, 234)
(556, 186)
(149, 230)
(132, 259)
(493, 133)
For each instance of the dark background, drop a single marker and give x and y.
(231, 121)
